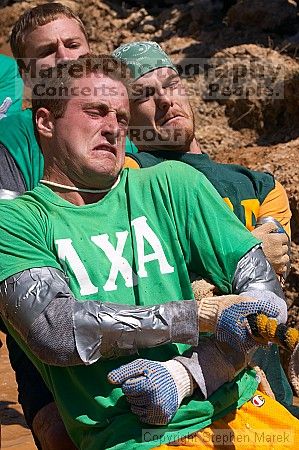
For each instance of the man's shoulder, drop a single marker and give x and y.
(168, 176)
(29, 201)
(23, 117)
(241, 170)
(166, 168)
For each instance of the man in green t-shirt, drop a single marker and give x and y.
(162, 127)
(42, 37)
(21, 153)
(92, 233)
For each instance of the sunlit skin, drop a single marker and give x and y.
(160, 104)
(85, 147)
(57, 41)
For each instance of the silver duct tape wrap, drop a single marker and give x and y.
(212, 364)
(25, 296)
(111, 330)
(5, 194)
(63, 331)
(255, 273)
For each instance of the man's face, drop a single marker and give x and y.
(87, 143)
(59, 40)
(161, 115)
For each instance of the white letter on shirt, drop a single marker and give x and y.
(67, 252)
(118, 262)
(142, 232)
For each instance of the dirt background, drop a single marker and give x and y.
(244, 92)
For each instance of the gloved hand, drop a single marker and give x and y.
(202, 288)
(225, 316)
(154, 389)
(275, 246)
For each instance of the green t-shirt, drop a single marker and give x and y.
(17, 135)
(244, 190)
(11, 87)
(159, 224)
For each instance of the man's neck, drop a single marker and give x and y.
(67, 190)
(79, 198)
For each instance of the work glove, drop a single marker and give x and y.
(202, 288)
(226, 316)
(154, 389)
(275, 244)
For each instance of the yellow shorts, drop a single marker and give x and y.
(261, 423)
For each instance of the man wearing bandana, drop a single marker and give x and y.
(162, 127)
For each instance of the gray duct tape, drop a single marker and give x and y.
(29, 301)
(254, 272)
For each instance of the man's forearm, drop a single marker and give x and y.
(63, 331)
(60, 330)
(211, 364)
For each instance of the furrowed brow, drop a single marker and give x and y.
(44, 48)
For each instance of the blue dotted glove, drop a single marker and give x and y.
(154, 389)
(233, 327)
(226, 316)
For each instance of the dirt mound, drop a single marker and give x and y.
(259, 88)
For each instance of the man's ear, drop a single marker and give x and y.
(44, 122)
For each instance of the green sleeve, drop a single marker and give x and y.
(11, 84)
(213, 240)
(17, 135)
(22, 240)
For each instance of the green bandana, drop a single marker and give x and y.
(143, 57)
